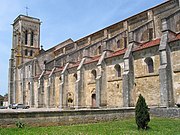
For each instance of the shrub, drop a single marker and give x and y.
(141, 113)
(20, 124)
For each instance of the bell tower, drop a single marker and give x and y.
(25, 46)
(26, 38)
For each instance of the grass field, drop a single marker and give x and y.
(158, 126)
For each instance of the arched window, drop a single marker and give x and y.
(26, 52)
(125, 42)
(26, 37)
(93, 100)
(32, 38)
(118, 44)
(60, 79)
(118, 70)
(94, 74)
(31, 53)
(150, 64)
(29, 85)
(75, 76)
(99, 50)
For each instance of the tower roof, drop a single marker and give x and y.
(27, 18)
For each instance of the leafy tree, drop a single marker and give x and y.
(141, 113)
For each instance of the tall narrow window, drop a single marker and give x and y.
(99, 50)
(125, 42)
(29, 85)
(32, 38)
(150, 64)
(26, 37)
(94, 74)
(31, 53)
(118, 70)
(26, 52)
(118, 44)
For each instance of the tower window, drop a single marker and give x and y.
(26, 52)
(118, 70)
(31, 53)
(150, 64)
(26, 37)
(32, 38)
(29, 85)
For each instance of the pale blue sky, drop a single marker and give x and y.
(62, 19)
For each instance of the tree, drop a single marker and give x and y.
(141, 113)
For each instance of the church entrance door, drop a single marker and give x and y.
(93, 100)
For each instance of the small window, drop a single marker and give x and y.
(60, 79)
(150, 64)
(94, 74)
(26, 52)
(118, 44)
(29, 85)
(99, 50)
(26, 37)
(118, 70)
(75, 76)
(31, 53)
(32, 38)
(125, 42)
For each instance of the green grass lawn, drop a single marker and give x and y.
(158, 126)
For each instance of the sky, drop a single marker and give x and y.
(62, 19)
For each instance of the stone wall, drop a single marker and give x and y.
(165, 112)
(54, 118)
(175, 48)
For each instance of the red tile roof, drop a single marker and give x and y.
(117, 53)
(148, 44)
(176, 38)
(75, 64)
(94, 59)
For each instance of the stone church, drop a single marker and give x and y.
(106, 69)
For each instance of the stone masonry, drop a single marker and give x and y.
(106, 69)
